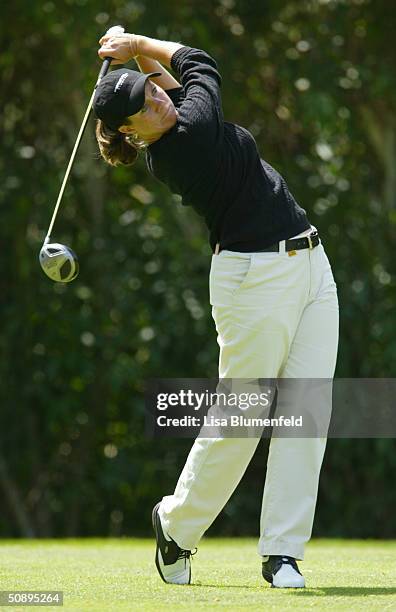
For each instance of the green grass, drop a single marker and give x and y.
(118, 575)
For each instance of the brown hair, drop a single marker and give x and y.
(117, 148)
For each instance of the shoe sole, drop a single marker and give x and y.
(155, 517)
(287, 587)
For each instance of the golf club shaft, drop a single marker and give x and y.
(103, 71)
(69, 167)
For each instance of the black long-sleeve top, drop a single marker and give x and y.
(215, 165)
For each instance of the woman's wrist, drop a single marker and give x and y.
(133, 45)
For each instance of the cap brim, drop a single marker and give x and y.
(137, 95)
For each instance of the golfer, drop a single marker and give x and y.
(273, 296)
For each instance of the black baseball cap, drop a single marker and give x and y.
(120, 94)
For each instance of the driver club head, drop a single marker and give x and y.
(59, 262)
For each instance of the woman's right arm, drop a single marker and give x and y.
(160, 50)
(124, 47)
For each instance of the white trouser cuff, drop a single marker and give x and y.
(170, 531)
(267, 546)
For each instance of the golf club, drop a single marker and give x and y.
(57, 260)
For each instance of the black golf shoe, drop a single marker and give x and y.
(282, 572)
(173, 563)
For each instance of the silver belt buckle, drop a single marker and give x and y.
(314, 233)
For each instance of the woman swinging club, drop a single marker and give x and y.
(273, 296)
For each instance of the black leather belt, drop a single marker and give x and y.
(295, 244)
(292, 244)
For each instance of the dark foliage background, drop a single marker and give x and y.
(314, 80)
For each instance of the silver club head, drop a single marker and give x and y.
(59, 262)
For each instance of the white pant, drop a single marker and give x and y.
(276, 316)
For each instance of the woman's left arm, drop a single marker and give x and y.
(166, 80)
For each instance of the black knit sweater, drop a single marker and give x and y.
(215, 165)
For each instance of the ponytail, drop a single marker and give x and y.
(116, 148)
